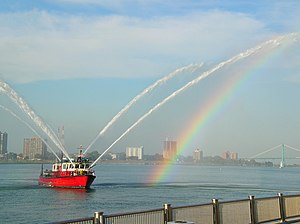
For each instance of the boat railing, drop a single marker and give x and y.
(278, 209)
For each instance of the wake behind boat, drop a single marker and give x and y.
(69, 174)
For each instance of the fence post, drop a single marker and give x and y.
(216, 211)
(252, 209)
(282, 207)
(167, 213)
(98, 218)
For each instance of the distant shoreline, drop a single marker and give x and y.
(148, 163)
(25, 162)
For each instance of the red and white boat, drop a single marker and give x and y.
(67, 174)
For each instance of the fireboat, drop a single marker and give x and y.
(68, 174)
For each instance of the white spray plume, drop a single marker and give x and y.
(247, 53)
(31, 128)
(191, 67)
(20, 102)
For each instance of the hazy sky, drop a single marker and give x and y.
(77, 63)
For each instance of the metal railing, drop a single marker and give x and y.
(89, 220)
(278, 209)
(145, 217)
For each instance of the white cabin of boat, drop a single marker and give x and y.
(68, 166)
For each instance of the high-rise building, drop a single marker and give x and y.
(3, 142)
(170, 149)
(198, 155)
(34, 148)
(230, 155)
(135, 152)
(234, 156)
(226, 155)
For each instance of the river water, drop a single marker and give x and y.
(122, 188)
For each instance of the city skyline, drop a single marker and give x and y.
(35, 148)
(78, 67)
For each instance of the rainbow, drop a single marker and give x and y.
(211, 108)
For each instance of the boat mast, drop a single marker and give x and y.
(42, 169)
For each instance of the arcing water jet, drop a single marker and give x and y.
(20, 102)
(31, 128)
(273, 42)
(191, 67)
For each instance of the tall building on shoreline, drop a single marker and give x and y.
(135, 152)
(230, 155)
(234, 156)
(170, 149)
(3, 142)
(34, 148)
(197, 155)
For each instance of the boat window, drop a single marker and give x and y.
(76, 165)
(81, 166)
(64, 166)
(71, 166)
(87, 165)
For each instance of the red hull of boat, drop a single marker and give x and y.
(83, 181)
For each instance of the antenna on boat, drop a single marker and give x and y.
(42, 168)
(62, 158)
(80, 156)
(63, 136)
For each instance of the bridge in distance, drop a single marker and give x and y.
(283, 158)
